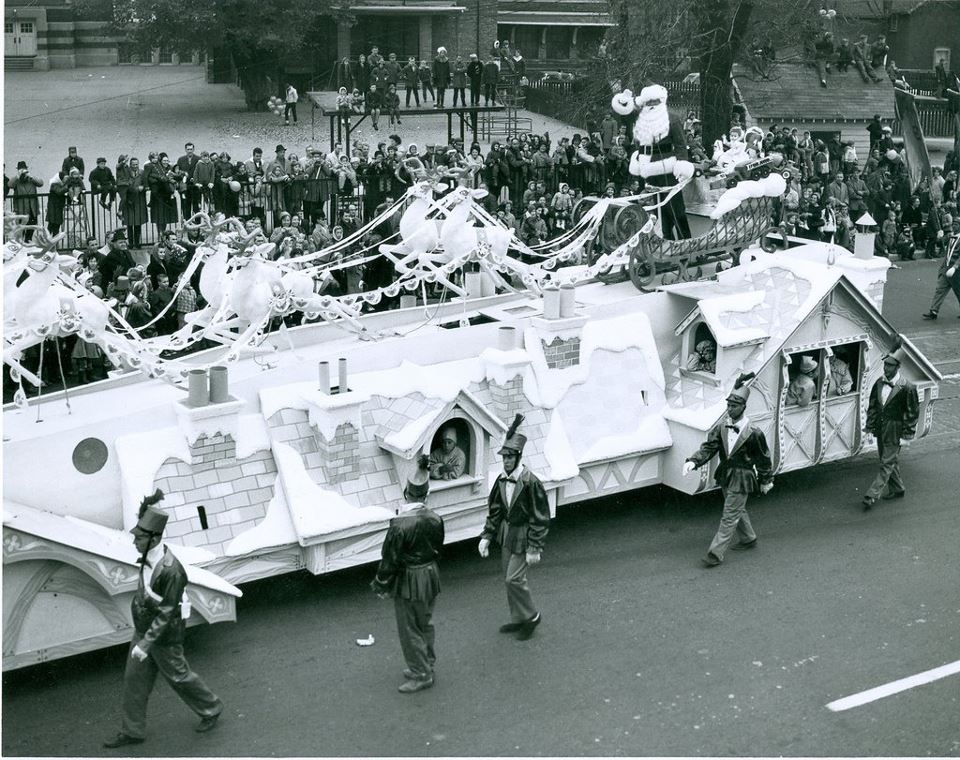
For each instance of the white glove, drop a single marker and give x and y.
(533, 558)
(688, 467)
(766, 488)
(683, 170)
(484, 547)
(951, 271)
(137, 653)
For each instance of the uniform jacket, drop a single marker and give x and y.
(408, 564)
(898, 417)
(952, 256)
(527, 515)
(156, 605)
(745, 467)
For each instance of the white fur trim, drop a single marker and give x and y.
(652, 92)
(622, 103)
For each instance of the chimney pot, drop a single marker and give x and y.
(342, 374)
(568, 302)
(506, 338)
(219, 385)
(324, 376)
(198, 388)
(551, 302)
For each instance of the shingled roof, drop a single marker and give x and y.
(791, 92)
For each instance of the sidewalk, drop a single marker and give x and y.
(110, 110)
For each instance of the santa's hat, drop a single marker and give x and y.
(149, 519)
(740, 390)
(514, 441)
(418, 484)
(652, 92)
(808, 364)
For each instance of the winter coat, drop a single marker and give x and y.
(25, 194)
(491, 74)
(459, 75)
(440, 73)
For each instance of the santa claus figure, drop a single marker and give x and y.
(661, 155)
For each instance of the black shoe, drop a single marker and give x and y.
(207, 724)
(930, 315)
(510, 627)
(868, 502)
(414, 685)
(893, 495)
(710, 560)
(121, 740)
(526, 628)
(747, 545)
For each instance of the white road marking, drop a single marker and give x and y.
(894, 687)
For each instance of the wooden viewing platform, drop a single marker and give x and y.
(468, 117)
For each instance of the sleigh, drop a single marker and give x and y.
(635, 249)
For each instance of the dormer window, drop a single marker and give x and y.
(699, 357)
(451, 451)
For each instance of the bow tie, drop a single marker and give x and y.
(888, 383)
(734, 428)
(509, 480)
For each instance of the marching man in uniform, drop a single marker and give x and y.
(408, 572)
(745, 468)
(158, 643)
(892, 415)
(518, 519)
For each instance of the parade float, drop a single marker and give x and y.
(286, 450)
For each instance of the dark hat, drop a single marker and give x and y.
(21, 165)
(896, 354)
(514, 441)
(149, 519)
(101, 159)
(119, 234)
(418, 484)
(740, 390)
(279, 148)
(123, 283)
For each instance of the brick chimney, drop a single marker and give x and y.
(209, 417)
(335, 420)
(560, 327)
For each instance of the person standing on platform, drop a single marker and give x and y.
(459, 81)
(409, 75)
(475, 77)
(892, 414)
(518, 518)
(425, 76)
(490, 77)
(408, 572)
(440, 73)
(158, 618)
(745, 468)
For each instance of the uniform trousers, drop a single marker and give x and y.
(735, 520)
(415, 627)
(514, 568)
(139, 678)
(945, 285)
(889, 474)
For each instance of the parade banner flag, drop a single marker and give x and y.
(918, 161)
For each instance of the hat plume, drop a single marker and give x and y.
(745, 377)
(149, 501)
(514, 426)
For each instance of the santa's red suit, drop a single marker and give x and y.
(661, 155)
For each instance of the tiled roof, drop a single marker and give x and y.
(793, 94)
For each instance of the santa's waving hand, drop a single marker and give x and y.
(661, 155)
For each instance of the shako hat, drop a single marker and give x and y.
(896, 354)
(740, 390)
(418, 484)
(150, 519)
(514, 441)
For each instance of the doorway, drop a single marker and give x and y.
(20, 38)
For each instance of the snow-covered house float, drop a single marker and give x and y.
(296, 460)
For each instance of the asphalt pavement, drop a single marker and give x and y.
(641, 651)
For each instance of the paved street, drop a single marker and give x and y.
(642, 651)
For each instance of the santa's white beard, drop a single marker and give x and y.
(651, 127)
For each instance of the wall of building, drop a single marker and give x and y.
(932, 26)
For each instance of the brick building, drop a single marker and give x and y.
(50, 34)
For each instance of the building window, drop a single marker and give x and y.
(701, 349)
(842, 373)
(805, 373)
(166, 55)
(941, 54)
(8, 27)
(452, 450)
